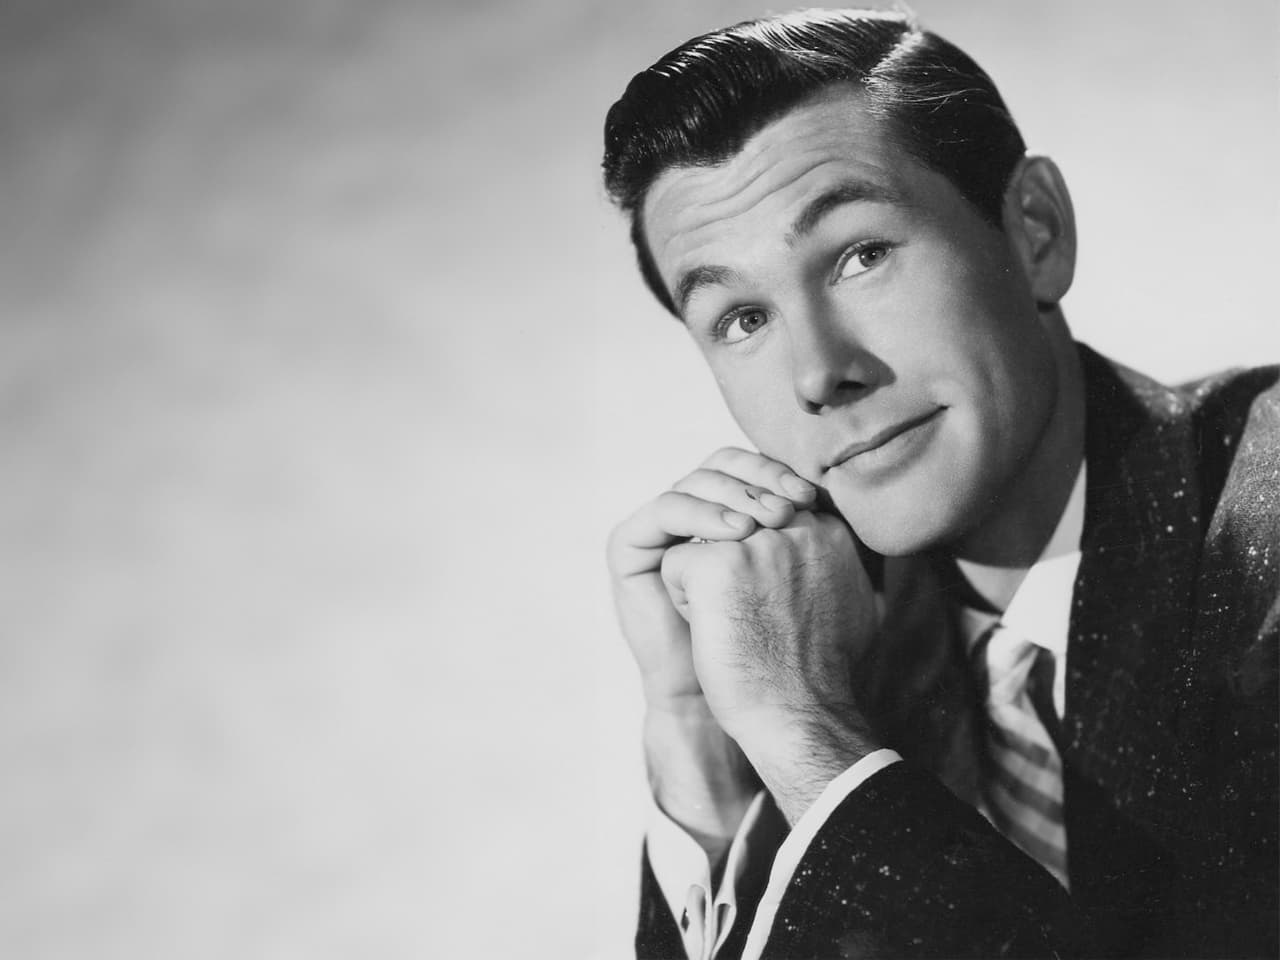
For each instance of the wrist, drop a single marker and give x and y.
(699, 776)
(797, 753)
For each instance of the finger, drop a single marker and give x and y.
(765, 507)
(677, 562)
(713, 565)
(673, 567)
(637, 543)
(758, 469)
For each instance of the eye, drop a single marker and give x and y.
(860, 258)
(736, 327)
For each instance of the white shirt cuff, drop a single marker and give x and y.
(802, 834)
(684, 875)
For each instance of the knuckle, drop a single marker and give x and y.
(666, 564)
(715, 556)
(723, 455)
(804, 520)
(613, 542)
(777, 469)
(728, 566)
(767, 542)
(771, 538)
(668, 500)
(689, 479)
(617, 542)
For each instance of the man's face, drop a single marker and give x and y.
(865, 325)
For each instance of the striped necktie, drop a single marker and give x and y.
(1023, 781)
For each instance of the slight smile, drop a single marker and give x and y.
(883, 438)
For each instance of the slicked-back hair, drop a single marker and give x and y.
(699, 104)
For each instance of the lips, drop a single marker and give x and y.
(881, 437)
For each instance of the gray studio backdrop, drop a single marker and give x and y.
(323, 373)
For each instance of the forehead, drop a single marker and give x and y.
(792, 161)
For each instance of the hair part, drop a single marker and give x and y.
(701, 103)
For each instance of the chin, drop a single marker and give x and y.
(896, 532)
(898, 541)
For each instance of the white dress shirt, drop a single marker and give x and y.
(1040, 610)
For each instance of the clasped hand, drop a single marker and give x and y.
(746, 641)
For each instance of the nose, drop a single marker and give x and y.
(830, 367)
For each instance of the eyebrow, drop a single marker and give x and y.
(849, 191)
(699, 277)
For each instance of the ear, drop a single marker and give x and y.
(1041, 226)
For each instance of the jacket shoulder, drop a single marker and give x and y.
(1236, 421)
(1238, 432)
(1226, 403)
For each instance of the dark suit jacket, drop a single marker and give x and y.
(1169, 737)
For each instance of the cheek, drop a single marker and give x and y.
(985, 346)
(764, 407)
(931, 318)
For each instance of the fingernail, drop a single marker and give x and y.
(734, 519)
(774, 502)
(797, 487)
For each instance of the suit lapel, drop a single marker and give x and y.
(1133, 601)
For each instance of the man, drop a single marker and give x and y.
(977, 655)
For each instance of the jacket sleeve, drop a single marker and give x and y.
(903, 868)
(657, 936)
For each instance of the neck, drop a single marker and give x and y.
(996, 555)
